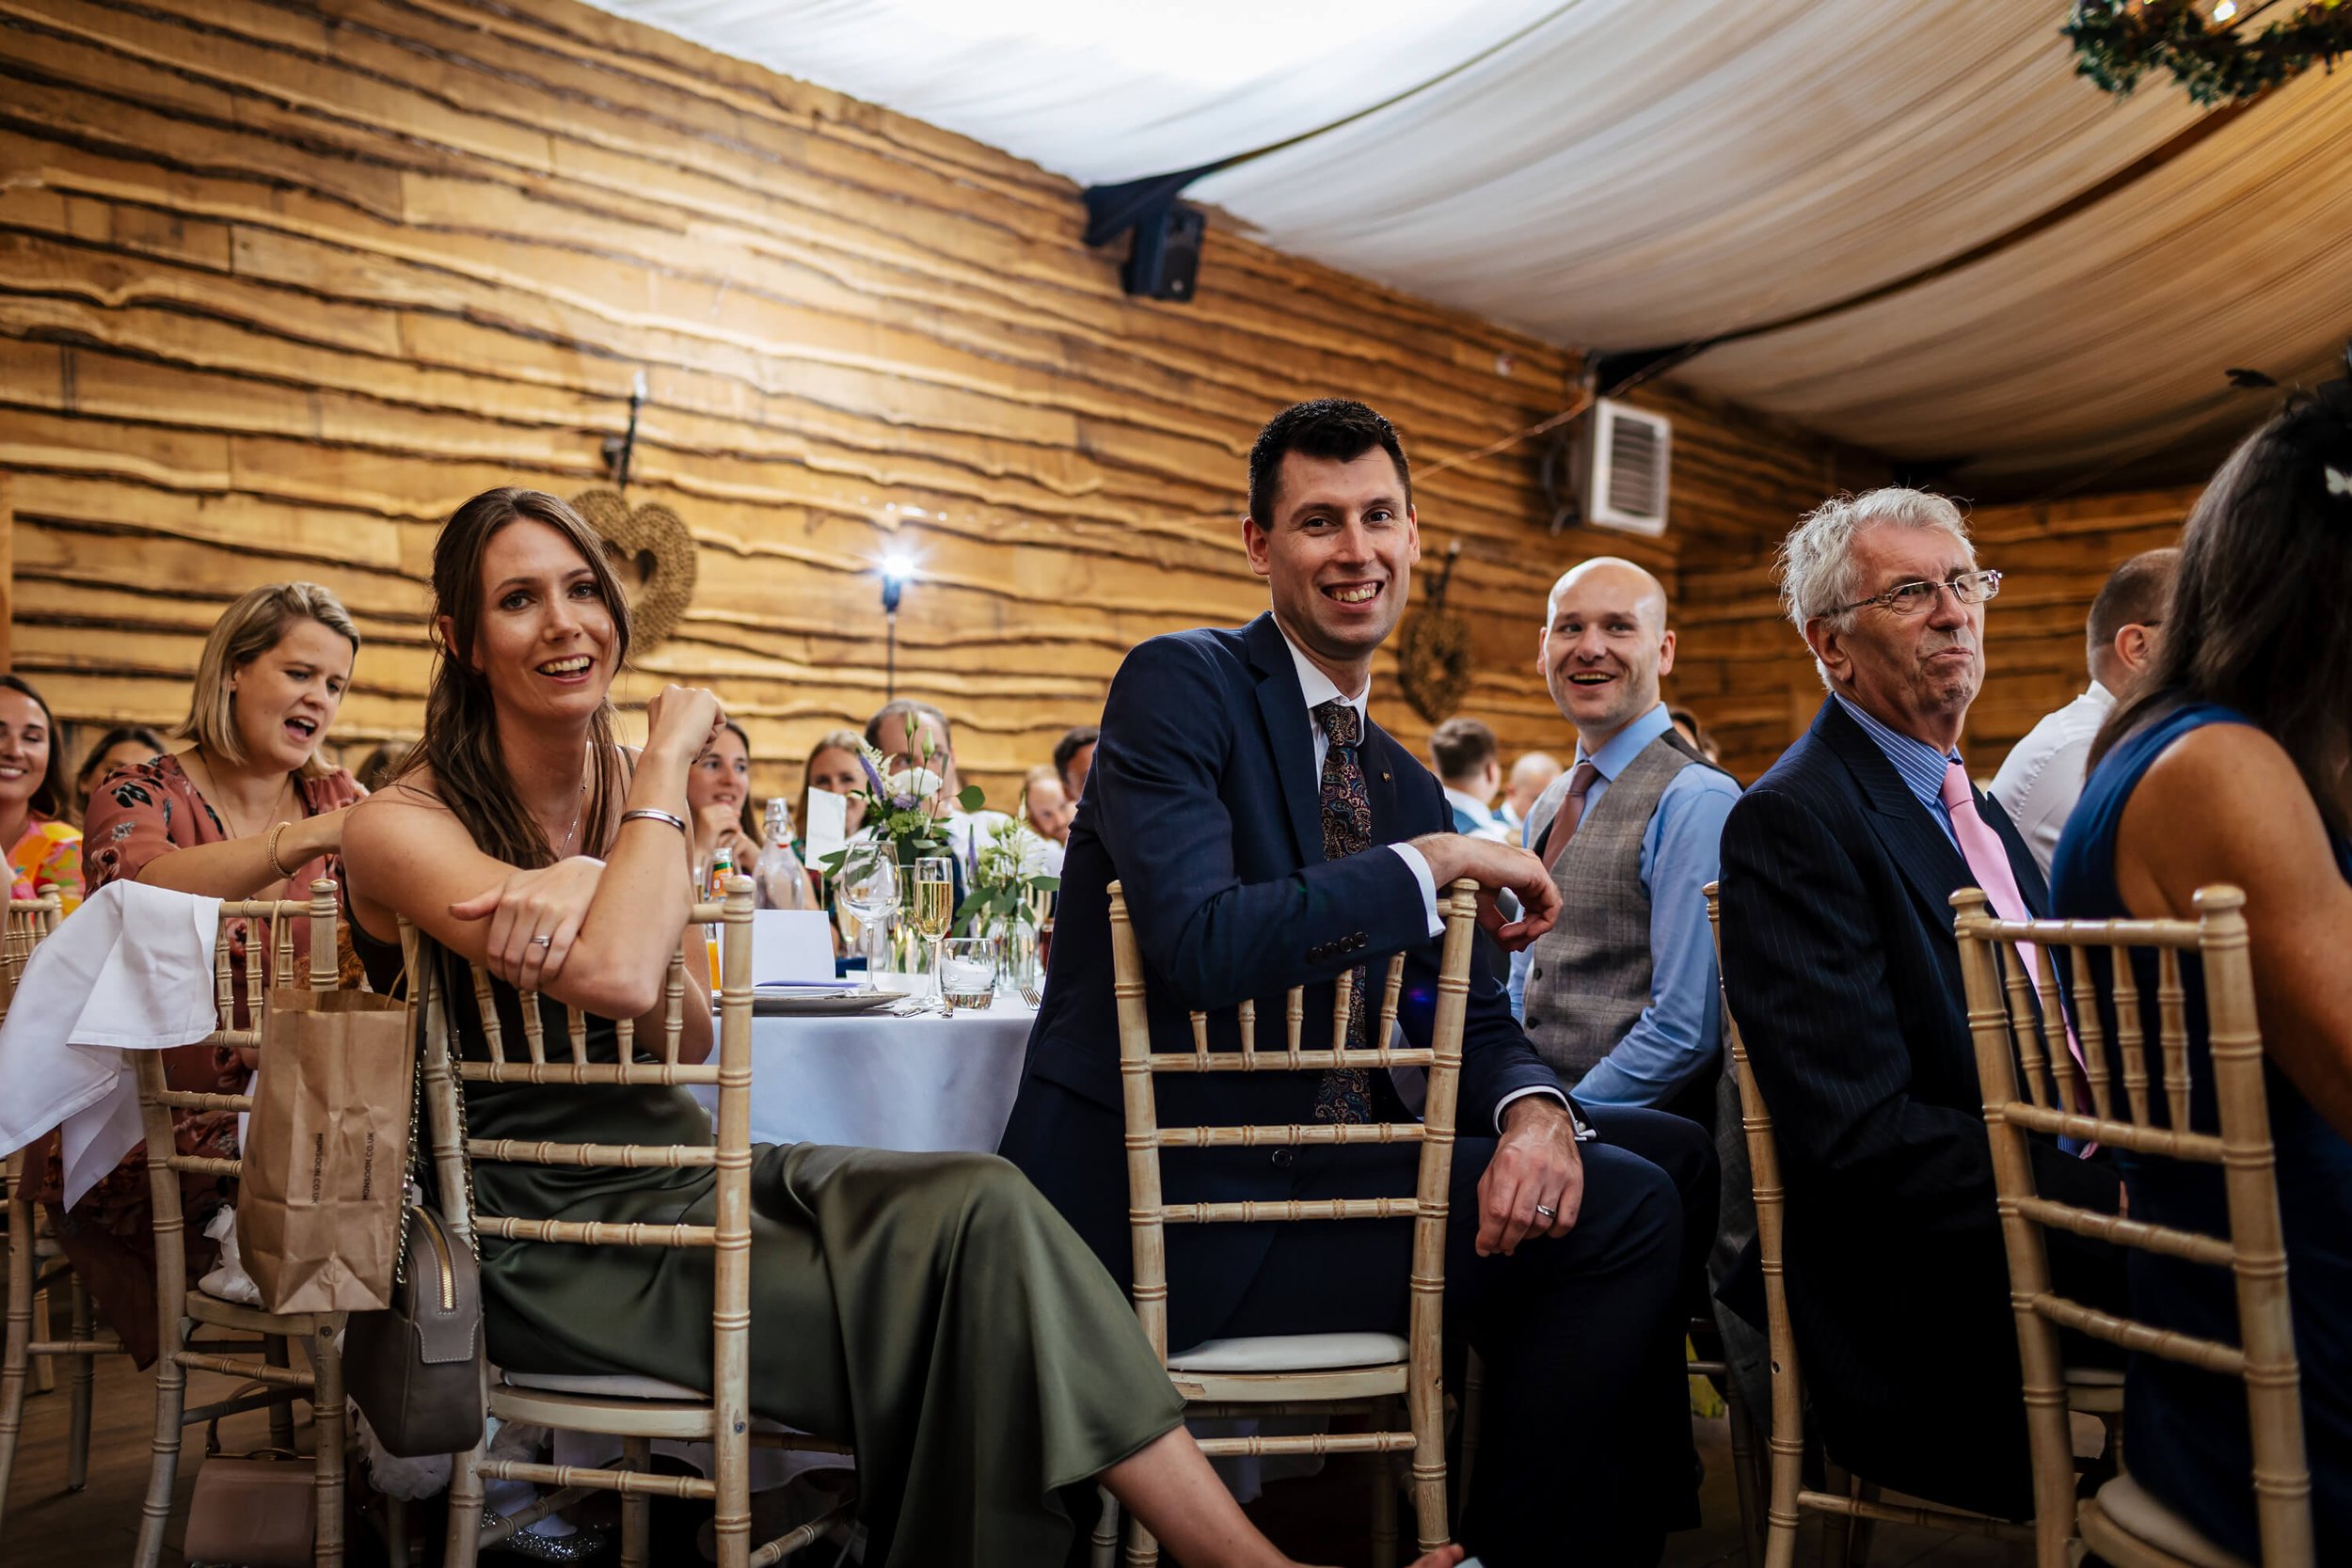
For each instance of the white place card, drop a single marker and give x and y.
(827, 824)
(790, 944)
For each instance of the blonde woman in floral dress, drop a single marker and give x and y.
(249, 809)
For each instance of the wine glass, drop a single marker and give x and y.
(934, 902)
(869, 890)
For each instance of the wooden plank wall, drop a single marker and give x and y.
(1744, 669)
(281, 283)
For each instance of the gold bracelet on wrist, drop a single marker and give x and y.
(270, 847)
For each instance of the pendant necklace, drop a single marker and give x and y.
(219, 803)
(574, 832)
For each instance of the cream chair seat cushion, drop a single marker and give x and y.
(594, 1386)
(1291, 1352)
(2140, 1515)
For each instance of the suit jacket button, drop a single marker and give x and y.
(1284, 1158)
(1534, 974)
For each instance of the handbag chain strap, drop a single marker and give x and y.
(417, 1161)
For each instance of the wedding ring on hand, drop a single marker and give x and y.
(1546, 1212)
(543, 942)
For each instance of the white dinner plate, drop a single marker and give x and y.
(839, 1005)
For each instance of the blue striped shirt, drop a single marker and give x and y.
(1920, 765)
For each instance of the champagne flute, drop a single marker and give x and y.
(935, 903)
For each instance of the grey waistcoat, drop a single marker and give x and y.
(1589, 976)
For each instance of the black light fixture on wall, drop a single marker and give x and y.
(897, 570)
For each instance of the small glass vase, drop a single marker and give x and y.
(1020, 966)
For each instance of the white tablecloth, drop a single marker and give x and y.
(926, 1085)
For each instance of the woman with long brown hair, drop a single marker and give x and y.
(719, 799)
(932, 1309)
(2228, 764)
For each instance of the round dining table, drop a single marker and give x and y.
(921, 1084)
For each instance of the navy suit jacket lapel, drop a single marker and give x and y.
(1289, 733)
(1380, 785)
(1930, 864)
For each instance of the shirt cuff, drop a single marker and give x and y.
(1585, 1132)
(1418, 863)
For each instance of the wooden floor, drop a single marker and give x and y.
(1322, 1519)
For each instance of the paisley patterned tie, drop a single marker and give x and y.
(1344, 1094)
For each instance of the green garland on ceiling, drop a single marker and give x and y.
(2216, 60)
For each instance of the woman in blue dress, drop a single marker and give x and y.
(2228, 764)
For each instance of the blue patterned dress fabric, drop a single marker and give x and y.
(1344, 1095)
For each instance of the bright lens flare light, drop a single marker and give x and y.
(2225, 10)
(897, 570)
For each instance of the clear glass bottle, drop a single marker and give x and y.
(779, 882)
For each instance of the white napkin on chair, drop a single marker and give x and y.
(131, 970)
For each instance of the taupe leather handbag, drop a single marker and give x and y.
(256, 1510)
(416, 1368)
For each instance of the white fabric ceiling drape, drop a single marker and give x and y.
(1635, 173)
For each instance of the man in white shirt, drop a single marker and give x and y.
(2042, 777)
(1463, 754)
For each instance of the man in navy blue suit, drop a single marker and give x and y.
(1838, 867)
(1268, 835)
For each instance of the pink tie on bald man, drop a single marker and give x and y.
(1989, 861)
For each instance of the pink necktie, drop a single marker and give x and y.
(1989, 862)
(1571, 811)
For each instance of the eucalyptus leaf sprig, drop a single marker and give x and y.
(1009, 881)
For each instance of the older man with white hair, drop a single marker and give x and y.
(1838, 866)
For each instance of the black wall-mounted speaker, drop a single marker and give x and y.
(1166, 261)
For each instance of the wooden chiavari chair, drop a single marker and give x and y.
(1338, 1373)
(2151, 1119)
(637, 1410)
(268, 957)
(38, 1266)
(1854, 1503)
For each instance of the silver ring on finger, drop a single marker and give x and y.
(543, 942)
(1546, 1212)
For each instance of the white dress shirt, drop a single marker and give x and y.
(2043, 776)
(1318, 689)
(1489, 825)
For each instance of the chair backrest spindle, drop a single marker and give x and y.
(2255, 1249)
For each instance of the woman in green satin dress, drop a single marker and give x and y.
(930, 1309)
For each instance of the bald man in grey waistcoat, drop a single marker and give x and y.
(1619, 998)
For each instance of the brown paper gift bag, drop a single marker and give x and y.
(327, 1151)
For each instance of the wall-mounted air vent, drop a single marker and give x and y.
(1626, 468)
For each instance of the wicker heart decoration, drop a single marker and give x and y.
(1434, 664)
(1433, 660)
(653, 555)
